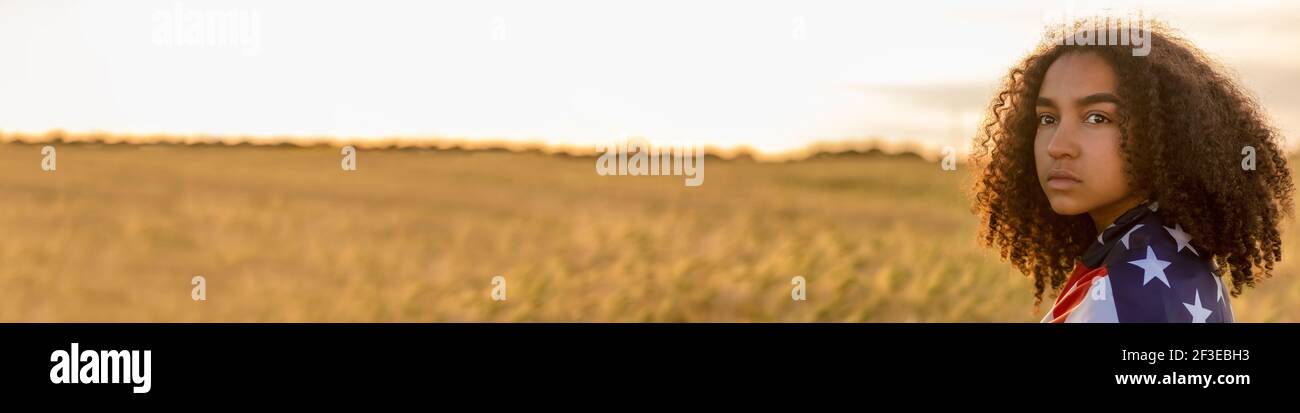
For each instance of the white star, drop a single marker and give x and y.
(1218, 282)
(1130, 232)
(1103, 232)
(1199, 314)
(1152, 267)
(1182, 238)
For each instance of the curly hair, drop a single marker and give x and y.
(1186, 127)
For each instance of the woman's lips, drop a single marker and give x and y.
(1061, 179)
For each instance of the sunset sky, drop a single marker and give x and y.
(774, 75)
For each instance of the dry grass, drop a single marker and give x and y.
(282, 234)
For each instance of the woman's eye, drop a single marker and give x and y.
(1046, 120)
(1096, 118)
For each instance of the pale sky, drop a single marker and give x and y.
(774, 75)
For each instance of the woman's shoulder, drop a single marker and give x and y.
(1156, 274)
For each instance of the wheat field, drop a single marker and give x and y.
(282, 234)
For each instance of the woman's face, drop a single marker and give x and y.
(1076, 149)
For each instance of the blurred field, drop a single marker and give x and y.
(282, 234)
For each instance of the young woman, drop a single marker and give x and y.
(1139, 188)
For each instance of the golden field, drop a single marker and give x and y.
(283, 234)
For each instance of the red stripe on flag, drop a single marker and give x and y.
(1076, 287)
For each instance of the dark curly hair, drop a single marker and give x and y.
(1185, 128)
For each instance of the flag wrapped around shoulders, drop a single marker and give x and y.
(1141, 271)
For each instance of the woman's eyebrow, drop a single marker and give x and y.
(1102, 97)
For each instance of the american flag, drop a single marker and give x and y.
(1141, 271)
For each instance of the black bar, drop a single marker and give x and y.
(417, 360)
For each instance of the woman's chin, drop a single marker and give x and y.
(1066, 207)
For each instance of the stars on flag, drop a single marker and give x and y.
(1152, 268)
(1130, 232)
(1218, 283)
(1199, 313)
(1184, 240)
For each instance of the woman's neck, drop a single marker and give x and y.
(1105, 215)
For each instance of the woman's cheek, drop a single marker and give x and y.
(1042, 161)
(1108, 173)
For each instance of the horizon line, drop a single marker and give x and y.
(821, 147)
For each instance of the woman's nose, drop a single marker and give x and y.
(1063, 144)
